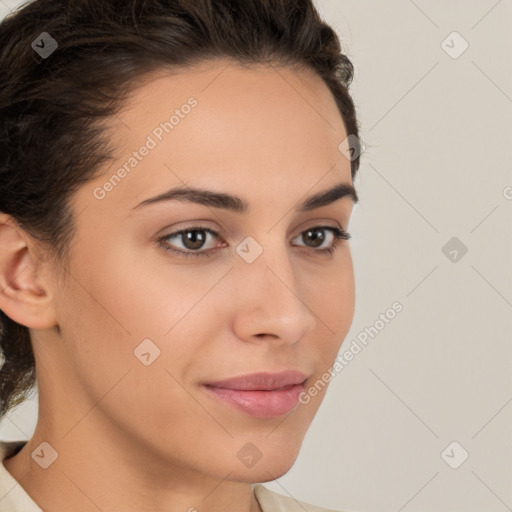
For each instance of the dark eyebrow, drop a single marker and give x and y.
(239, 205)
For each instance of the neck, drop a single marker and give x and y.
(93, 473)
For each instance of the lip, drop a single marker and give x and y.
(263, 381)
(261, 395)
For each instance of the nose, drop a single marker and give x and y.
(271, 301)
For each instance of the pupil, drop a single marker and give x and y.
(317, 236)
(197, 240)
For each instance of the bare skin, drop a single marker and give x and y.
(133, 437)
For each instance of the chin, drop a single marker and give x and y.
(266, 469)
(274, 474)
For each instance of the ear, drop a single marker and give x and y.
(24, 294)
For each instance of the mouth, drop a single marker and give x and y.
(261, 395)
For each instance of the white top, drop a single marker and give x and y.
(14, 498)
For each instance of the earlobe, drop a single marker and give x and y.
(24, 293)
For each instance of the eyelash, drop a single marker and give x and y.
(339, 234)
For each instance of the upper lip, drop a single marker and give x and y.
(263, 381)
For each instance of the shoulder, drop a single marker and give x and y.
(271, 501)
(13, 497)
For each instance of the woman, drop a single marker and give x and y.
(176, 183)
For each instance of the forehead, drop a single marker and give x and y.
(221, 79)
(227, 126)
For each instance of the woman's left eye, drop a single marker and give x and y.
(194, 237)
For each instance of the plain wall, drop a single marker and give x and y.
(437, 131)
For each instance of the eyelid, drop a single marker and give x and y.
(337, 232)
(205, 225)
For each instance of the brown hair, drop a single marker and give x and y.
(52, 105)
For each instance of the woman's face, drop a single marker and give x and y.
(143, 329)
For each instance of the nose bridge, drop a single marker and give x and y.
(269, 292)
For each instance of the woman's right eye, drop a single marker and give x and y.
(193, 240)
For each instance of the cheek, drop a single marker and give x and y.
(124, 301)
(334, 295)
(333, 305)
(130, 340)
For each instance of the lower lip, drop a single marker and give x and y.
(260, 404)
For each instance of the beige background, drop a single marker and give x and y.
(436, 122)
